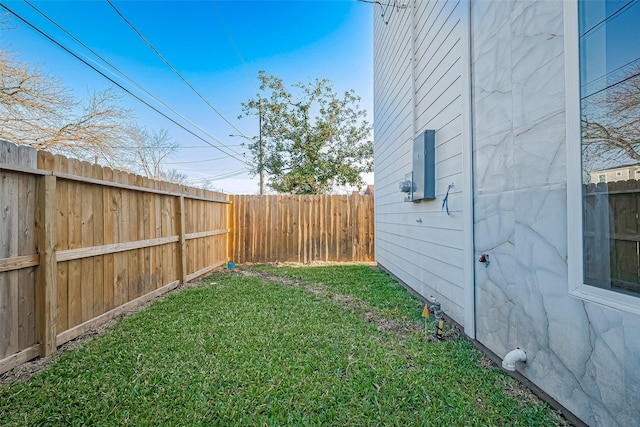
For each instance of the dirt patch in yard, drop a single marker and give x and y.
(402, 329)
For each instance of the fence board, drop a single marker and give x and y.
(26, 246)
(86, 240)
(75, 241)
(146, 233)
(612, 235)
(112, 240)
(117, 237)
(62, 240)
(280, 228)
(98, 240)
(8, 249)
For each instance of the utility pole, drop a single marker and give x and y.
(261, 152)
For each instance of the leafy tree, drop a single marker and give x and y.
(313, 140)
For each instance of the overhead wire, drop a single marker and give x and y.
(181, 147)
(176, 72)
(235, 46)
(608, 18)
(218, 177)
(84, 61)
(610, 72)
(116, 69)
(610, 86)
(195, 161)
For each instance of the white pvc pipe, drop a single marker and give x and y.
(513, 357)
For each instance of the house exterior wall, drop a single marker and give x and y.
(580, 353)
(584, 355)
(616, 174)
(418, 242)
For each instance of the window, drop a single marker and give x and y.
(603, 135)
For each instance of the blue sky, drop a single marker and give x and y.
(295, 40)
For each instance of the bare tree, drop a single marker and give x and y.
(173, 175)
(611, 124)
(37, 110)
(152, 148)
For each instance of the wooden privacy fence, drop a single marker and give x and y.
(612, 235)
(80, 244)
(302, 228)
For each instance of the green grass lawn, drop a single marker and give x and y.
(253, 350)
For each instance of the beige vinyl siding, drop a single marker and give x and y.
(427, 256)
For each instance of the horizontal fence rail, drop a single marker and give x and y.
(81, 244)
(612, 235)
(288, 228)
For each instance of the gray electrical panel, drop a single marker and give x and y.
(420, 184)
(424, 166)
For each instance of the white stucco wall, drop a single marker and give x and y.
(583, 354)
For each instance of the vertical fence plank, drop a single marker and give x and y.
(47, 214)
(98, 240)
(275, 228)
(109, 207)
(281, 228)
(624, 208)
(157, 209)
(9, 183)
(183, 246)
(150, 231)
(26, 246)
(134, 228)
(145, 233)
(62, 280)
(46, 289)
(166, 230)
(86, 240)
(74, 201)
(231, 225)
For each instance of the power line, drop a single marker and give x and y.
(235, 46)
(195, 161)
(608, 18)
(180, 147)
(610, 86)
(127, 77)
(611, 72)
(70, 52)
(218, 177)
(148, 43)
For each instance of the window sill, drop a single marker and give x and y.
(607, 298)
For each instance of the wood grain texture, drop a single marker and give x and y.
(80, 243)
(283, 228)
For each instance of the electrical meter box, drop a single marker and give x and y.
(424, 166)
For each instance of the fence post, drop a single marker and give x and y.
(231, 228)
(183, 242)
(46, 286)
